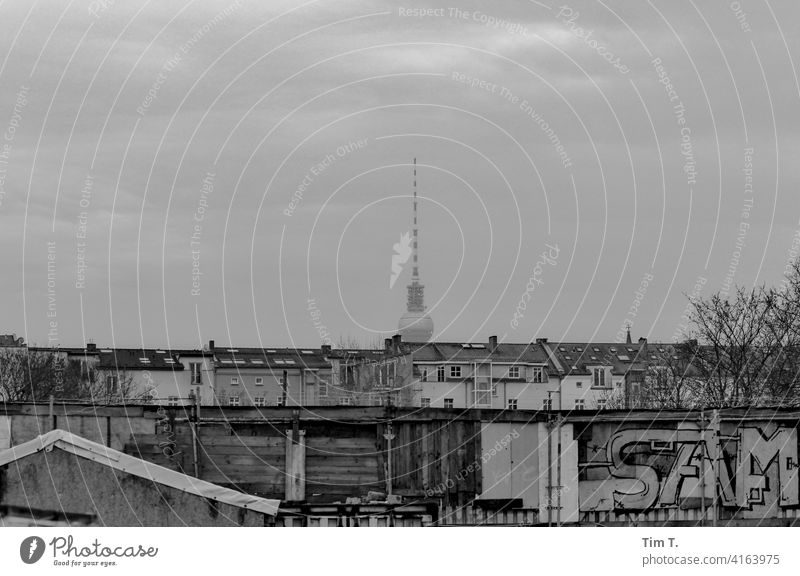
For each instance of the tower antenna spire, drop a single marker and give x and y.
(416, 290)
(415, 325)
(415, 231)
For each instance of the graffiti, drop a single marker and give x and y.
(752, 468)
(758, 453)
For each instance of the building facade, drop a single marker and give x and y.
(271, 376)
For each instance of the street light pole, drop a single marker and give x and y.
(558, 454)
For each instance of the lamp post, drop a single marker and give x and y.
(558, 457)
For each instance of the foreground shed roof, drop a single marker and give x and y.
(84, 448)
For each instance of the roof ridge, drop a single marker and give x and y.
(78, 445)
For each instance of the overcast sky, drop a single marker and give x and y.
(279, 137)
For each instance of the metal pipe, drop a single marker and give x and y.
(703, 447)
(715, 464)
(549, 466)
(193, 427)
(389, 435)
(558, 460)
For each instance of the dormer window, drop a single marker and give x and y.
(599, 377)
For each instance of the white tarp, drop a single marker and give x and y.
(131, 465)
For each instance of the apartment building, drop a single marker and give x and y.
(593, 376)
(539, 375)
(172, 377)
(528, 376)
(469, 375)
(272, 376)
(359, 377)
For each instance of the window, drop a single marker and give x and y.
(619, 383)
(482, 395)
(345, 401)
(455, 371)
(234, 381)
(323, 389)
(579, 404)
(197, 372)
(111, 383)
(281, 401)
(512, 403)
(448, 402)
(601, 404)
(494, 390)
(578, 385)
(513, 372)
(424, 376)
(440, 374)
(425, 402)
(538, 375)
(547, 404)
(259, 401)
(172, 401)
(259, 380)
(598, 377)
(233, 400)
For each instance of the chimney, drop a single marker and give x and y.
(541, 340)
(211, 345)
(91, 347)
(642, 341)
(387, 344)
(326, 349)
(492, 343)
(396, 339)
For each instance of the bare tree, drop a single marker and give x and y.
(27, 375)
(743, 349)
(744, 355)
(34, 375)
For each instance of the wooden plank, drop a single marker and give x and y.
(316, 464)
(460, 456)
(360, 451)
(477, 448)
(253, 441)
(265, 454)
(295, 465)
(424, 455)
(444, 434)
(379, 444)
(225, 461)
(344, 479)
(470, 457)
(273, 479)
(320, 442)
